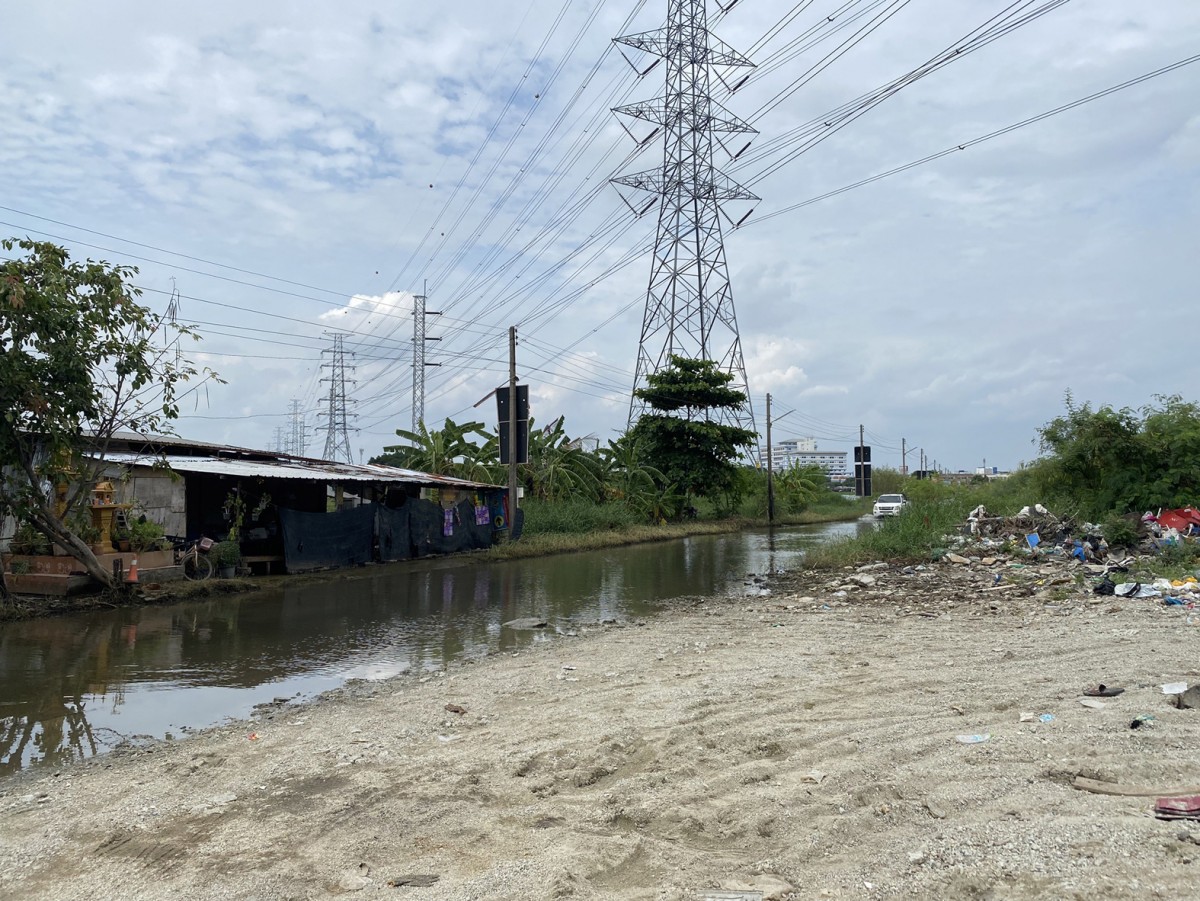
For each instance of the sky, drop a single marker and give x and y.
(296, 170)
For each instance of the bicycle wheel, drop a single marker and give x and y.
(197, 568)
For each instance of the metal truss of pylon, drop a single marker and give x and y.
(419, 364)
(689, 303)
(337, 428)
(296, 441)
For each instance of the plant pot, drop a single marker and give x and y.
(226, 572)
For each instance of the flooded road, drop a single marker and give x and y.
(76, 686)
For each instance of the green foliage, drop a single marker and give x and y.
(559, 468)
(887, 481)
(225, 553)
(1120, 531)
(79, 360)
(447, 451)
(692, 451)
(576, 516)
(28, 540)
(145, 535)
(1123, 460)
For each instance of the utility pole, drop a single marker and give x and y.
(860, 470)
(512, 429)
(770, 468)
(903, 457)
(419, 364)
(689, 302)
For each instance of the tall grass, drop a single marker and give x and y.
(576, 517)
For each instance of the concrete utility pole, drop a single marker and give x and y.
(770, 468)
(512, 429)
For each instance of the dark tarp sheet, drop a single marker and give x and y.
(395, 540)
(428, 522)
(315, 540)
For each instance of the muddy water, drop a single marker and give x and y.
(76, 686)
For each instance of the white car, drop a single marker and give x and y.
(889, 505)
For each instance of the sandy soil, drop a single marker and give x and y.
(802, 744)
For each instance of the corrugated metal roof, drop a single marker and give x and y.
(293, 468)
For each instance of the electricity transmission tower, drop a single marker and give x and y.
(337, 430)
(297, 440)
(419, 364)
(689, 303)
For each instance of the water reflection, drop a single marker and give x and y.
(72, 687)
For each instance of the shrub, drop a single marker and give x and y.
(225, 553)
(575, 517)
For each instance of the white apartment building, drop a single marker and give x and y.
(804, 452)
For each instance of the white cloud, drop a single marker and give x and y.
(951, 304)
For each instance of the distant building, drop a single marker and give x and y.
(803, 452)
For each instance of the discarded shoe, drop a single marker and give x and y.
(1102, 691)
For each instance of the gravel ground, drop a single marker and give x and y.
(800, 744)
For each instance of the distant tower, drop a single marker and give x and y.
(337, 429)
(689, 304)
(297, 439)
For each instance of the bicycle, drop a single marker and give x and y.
(193, 557)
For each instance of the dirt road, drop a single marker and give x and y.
(803, 745)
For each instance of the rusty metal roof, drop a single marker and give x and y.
(296, 468)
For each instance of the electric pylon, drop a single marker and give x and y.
(689, 303)
(337, 429)
(297, 440)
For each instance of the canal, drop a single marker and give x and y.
(76, 686)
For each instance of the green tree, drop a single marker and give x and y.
(1104, 460)
(682, 439)
(80, 360)
(631, 480)
(559, 467)
(446, 452)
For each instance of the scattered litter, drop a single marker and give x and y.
(813, 777)
(1037, 718)
(253, 736)
(1185, 808)
(1136, 590)
(1093, 703)
(1174, 688)
(977, 739)
(1142, 721)
(447, 738)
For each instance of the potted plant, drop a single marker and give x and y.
(226, 555)
(29, 541)
(145, 535)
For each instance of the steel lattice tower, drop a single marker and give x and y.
(297, 439)
(337, 429)
(689, 303)
(419, 364)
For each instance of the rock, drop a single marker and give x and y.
(958, 558)
(863, 581)
(526, 622)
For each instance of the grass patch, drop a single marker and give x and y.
(576, 517)
(917, 535)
